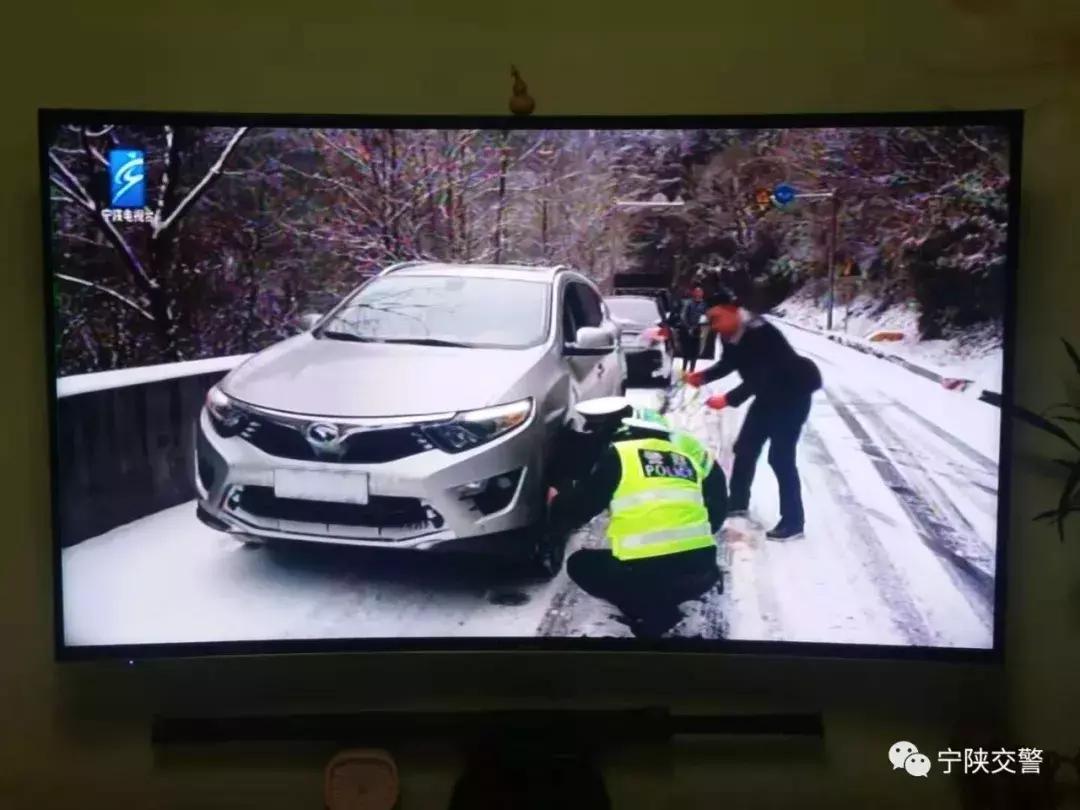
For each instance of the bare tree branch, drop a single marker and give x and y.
(142, 278)
(74, 187)
(74, 237)
(166, 175)
(201, 186)
(92, 150)
(101, 288)
(70, 194)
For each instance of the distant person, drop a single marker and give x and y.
(667, 497)
(692, 324)
(781, 383)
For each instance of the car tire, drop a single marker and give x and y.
(544, 550)
(546, 555)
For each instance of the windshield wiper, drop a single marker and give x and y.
(336, 335)
(428, 342)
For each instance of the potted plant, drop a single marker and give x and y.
(1057, 421)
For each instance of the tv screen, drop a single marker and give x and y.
(708, 384)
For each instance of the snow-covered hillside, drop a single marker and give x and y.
(975, 354)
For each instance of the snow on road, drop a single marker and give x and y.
(899, 479)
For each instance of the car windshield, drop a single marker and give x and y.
(475, 312)
(635, 310)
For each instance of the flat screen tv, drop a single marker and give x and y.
(331, 383)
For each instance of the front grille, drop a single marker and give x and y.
(367, 447)
(381, 511)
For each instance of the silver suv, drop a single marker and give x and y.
(420, 412)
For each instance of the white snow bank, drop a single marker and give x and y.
(976, 355)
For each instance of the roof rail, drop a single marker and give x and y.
(400, 266)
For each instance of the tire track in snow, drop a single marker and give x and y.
(961, 537)
(894, 592)
(935, 532)
(963, 447)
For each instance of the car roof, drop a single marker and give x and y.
(521, 272)
(649, 298)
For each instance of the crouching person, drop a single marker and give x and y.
(667, 497)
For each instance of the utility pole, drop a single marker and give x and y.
(833, 226)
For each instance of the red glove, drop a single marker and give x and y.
(717, 401)
(552, 494)
(695, 378)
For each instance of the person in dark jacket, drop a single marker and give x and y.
(646, 586)
(692, 327)
(781, 383)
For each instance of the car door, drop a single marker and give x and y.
(593, 375)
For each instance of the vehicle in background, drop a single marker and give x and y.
(654, 285)
(645, 337)
(420, 413)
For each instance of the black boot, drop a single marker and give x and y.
(785, 531)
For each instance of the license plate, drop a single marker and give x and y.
(322, 485)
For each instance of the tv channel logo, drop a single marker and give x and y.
(127, 178)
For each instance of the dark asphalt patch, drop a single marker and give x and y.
(508, 598)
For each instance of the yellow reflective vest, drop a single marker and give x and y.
(657, 507)
(686, 442)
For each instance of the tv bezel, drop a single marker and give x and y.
(1009, 119)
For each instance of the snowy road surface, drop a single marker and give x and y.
(899, 478)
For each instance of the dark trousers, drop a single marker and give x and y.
(647, 591)
(779, 424)
(690, 348)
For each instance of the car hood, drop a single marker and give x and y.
(324, 377)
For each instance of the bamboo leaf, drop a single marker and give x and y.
(1043, 424)
(1064, 502)
(1072, 353)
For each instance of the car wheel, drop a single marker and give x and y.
(546, 555)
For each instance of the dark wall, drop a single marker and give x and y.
(123, 453)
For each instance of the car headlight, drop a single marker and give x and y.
(226, 417)
(470, 429)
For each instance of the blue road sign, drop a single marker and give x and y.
(783, 194)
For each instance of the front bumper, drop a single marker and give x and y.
(414, 502)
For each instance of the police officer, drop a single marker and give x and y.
(667, 498)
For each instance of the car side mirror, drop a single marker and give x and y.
(591, 341)
(307, 321)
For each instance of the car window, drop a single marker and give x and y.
(589, 306)
(460, 310)
(636, 310)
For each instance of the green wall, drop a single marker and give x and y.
(77, 735)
